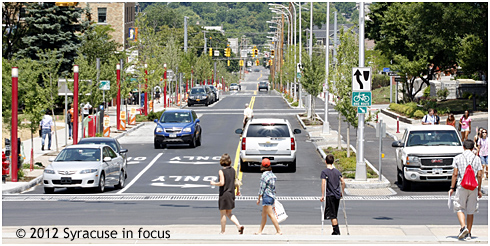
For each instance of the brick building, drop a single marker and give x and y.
(120, 15)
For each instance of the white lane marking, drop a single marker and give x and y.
(185, 186)
(140, 174)
(193, 163)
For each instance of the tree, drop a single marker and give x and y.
(51, 27)
(314, 76)
(13, 28)
(97, 42)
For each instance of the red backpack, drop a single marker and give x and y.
(469, 180)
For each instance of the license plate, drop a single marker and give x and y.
(437, 171)
(65, 180)
(172, 135)
(198, 100)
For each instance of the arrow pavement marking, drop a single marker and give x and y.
(140, 174)
(357, 74)
(185, 186)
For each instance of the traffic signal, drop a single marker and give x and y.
(272, 52)
(210, 51)
(227, 52)
(66, 4)
(228, 63)
(256, 52)
(253, 52)
(257, 62)
(241, 63)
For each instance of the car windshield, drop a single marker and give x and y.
(176, 117)
(233, 84)
(112, 144)
(263, 83)
(433, 138)
(268, 130)
(198, 91)
(79, 154)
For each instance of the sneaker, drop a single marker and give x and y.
(463, 232)
(468, 237)
(42, 148)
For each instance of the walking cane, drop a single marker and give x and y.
(322, 211)
(345, 215)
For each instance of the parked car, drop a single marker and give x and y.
(263, 85)
(268, 138)
(200, 95)
(425, 154)
(112, 142)
(256, 70)
(215, 92)
(177, 126)
(234, 87)
(85, 166)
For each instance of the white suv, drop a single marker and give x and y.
(268, 138)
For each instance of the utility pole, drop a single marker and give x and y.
(185, 33)
(326, 126)
(360, 164)
(300, 103)
(205, 42)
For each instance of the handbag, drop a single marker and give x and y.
(279, 211)
(238, 182)
(469, 180)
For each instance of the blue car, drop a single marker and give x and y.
(177, 126)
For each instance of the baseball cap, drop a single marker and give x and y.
(246, 104)
(266, 162)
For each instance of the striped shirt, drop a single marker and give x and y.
(268, 184)
(462, 160)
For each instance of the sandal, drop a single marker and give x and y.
(241, 229)
(258, 233)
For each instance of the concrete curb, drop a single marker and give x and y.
(24, 187)
(129, 131)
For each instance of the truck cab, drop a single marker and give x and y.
(425, 154)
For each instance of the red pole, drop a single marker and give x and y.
(118, 98)
(397, 124)
(145, 105)
(186, 88)
(13, 134)
(75, 104)
(222, 84)
(165, 87)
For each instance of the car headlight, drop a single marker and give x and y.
(204, 97)
(49, 171)
(413, 160)
(88, 171)
(187, 129)
(159, 129)
(191, 97)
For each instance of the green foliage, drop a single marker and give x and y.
(141, 118)
(11, 40)
(427, 91)
(155, 115)
(418, 114)
(408, 109)
(442, 94)
(380, 80)
(347, 165)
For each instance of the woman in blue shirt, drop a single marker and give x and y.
(267, 192)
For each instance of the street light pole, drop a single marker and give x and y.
(361, 165)
(300, 104)
(118, 97)
(326, 126)
(75, 104)
(14, 122)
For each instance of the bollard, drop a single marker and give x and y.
(397, 124)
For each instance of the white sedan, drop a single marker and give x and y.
(85, 166)
(234, 87)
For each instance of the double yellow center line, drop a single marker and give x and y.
(237, 154)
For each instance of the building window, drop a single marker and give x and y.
(102, 13)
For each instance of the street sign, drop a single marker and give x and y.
(361, 110)
(392, 74)
(105, 85)
(399, 79)
(381, 130)
(216, 53)
(298, 75)
(386, 70)
(361, 79)
(361, 98)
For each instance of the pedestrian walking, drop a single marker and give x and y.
(46, 126)
(333, 186)
(226, 201)
(429, 119)
(267, 192)
(475, 140)
(465, 123)
(438, 119)
(483, 151)
(451, 120)
(86, 110)
(248, 114)
(465, 201)
(69, 120)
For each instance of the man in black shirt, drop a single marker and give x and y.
(331, 182)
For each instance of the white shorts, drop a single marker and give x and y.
(465, 200)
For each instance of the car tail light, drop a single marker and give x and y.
(293, 144)
(244, 144)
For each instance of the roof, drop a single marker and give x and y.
(99, 139)
(89, 146)
(177, 110)
(268, 120)
(430, 127)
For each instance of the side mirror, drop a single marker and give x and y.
(239, 131)
(198, 120)
(51, 159)
(155, 120)
(296, 131)
(397, 144)
(107, 159)
(123, 150)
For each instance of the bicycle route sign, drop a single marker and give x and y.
(105, 85)
(361, 79)
(361, 98)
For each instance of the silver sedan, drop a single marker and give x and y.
(85, 166)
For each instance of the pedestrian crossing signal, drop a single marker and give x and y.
(210, 51)
(241, 63)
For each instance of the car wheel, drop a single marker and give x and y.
(399, 176)
(101, 186)
(48, 190)
(243, 166)
(157, 145)
(292, 166)
(193, 142)
(199, 140)
(189, 104)
(406, 184)
(122, 180)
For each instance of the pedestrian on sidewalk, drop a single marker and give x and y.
(248, 114)
(46, 126)
(483, 151)
(267, 192)
(332, 183)
(86, 109)
(465, 201)
(69, 121)
(438, 119)
(451, 120)
(475, 140)
(429, 119)
(226, 201)
(465, 123)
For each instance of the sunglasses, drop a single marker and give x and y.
(484, 132)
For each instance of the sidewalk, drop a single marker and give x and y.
(43, 156)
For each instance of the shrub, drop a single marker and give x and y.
(466, 95)
(155, 115)
(380, 80)
(442, 94)
(427, 91)
(418, 114)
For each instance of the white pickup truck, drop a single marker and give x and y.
(425, 154)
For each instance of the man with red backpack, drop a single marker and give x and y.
(465, 166)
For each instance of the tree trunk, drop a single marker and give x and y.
(348, 140)
(339, 136)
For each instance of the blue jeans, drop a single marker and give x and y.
(70, 128)
(46, 132)
(484, 160)
(267, 200)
